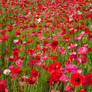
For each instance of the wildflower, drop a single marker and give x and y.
(39, 20)
(16, 71)
(19, 62)
(6, 71)
(82, 90)
(68, 88)
(69, 67)
(88, 78)
(55, 57)
(82, 33)
(77, 69)
(61, 50)
(73, 55)
(34, 73)
(2, 85)
(82, 51)
(22, 81)
(54, 44)
(77, 79)
(81, 59)
(16, 41)
(54, 77)
(31, 80)
(11, 67)
(67, 61)
(77, 38)
(54, 66)
(54, 90)
(64, 78)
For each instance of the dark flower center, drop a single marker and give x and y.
(55, 67)
(55, 44)
(77, 79)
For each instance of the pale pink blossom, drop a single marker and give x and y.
(77, 38)
(82, 33)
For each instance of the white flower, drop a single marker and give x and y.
(6, 71)
(39, 20)
(90, 10)
(16, 41)
(79, 12)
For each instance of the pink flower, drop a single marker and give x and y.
(54, 90)
(61, 50)
(77, 38)
(11, 67)
(78, 70)
(16, 41)
(82, 33)
(82, 51)
(69, 67)
(19, 62)
(72, 46)
(64, 78)
(68, 88)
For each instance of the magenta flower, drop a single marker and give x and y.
(78, 70)
(82, 51)
(82, 33)
(19, 62)
(69, 67)
(54, 90)
(11, 67)
(77, 38)
(68, 88)
(61, 50)
(64, 78)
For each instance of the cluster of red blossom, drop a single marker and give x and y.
(31, 46)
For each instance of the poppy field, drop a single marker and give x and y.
(45, 46)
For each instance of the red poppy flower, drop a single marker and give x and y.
(77, 79)
(31, 80)
(54, 66)
(55, 76)
(16, 71)
(33, 25)
(32, 62)
(34, 73)
(81, 90)
(54, 44)
(88, 77)
(55, 57)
